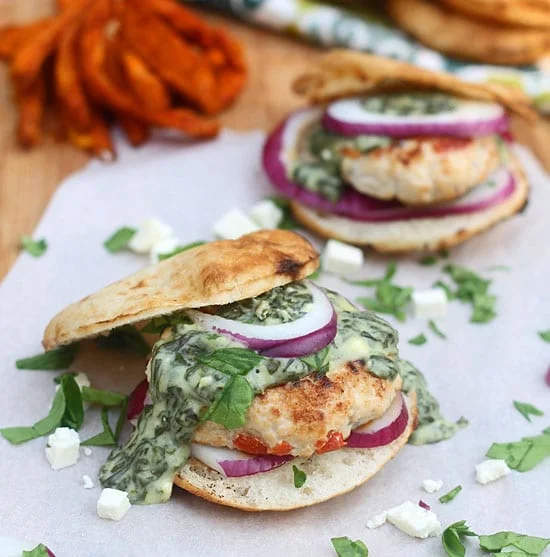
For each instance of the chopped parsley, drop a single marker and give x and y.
(452, 538)
(232, 361)
(59, 358)
(432, 325)
(418, 340)
(36, 248)
(300, 477)
(345, 547)
(525, 454)
(545, 335)
(39, 551)
(448, 497)
(527, 410)
(474, 290)
(179, 249)
(120, 239)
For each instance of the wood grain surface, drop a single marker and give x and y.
(28, 179)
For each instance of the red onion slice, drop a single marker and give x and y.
(470, 119)
(425, 506)
(307, 333)
(278, 156)
(384, 430)
(235, 464)
(137, 400)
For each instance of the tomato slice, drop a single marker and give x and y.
(249, 444)
(281, 449)
(335, 440)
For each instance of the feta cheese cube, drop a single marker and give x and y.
(150, 232)
(87, 451)
(63, 448)
(233, 225)
(266, 214)
(163, 247)
(377, 520)
(87, 482)
(113, 504)
(432, 486)
(430, 304)
(341, 259)
(491, 470)
(414, 520)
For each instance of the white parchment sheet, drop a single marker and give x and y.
(477, 372)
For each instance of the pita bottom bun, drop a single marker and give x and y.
(429, 234)
(328, 476)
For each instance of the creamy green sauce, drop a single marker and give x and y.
(409, 104)
(182, 388)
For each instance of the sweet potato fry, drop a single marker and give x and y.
(31, 103)
(145, 85)
(63, 4)
(136, 131)
(106, 92)
(68, 85)
(13, 37)
(96, 140)
(168, 55)
(29, 59)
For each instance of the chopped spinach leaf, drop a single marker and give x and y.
(180, 249)
(229, 410)
(448, 497)
(345, 547)
(120, 239)
(527, 410)
(104, 439)
(73, 416)
(545, 335)
(232, 361)
(318, 362)
(300, 477)
(418, 340)
(59, 358)
(104, 398)
(428, 260)
(432, 325)
(315, 275)
(36, 248)
(39, 551)
(510, 543)
(445, 287)
(128, 337)
(158, 324)
(288, 222)
(452, 538)
(525, 454)
(107, 399)
(498, 268)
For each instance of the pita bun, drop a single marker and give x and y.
(508, 12)
(212, 274)
(344, 73)
(328, 476)
(457, 35)
(430, 234)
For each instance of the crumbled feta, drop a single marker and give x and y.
(168, 245)
(491, 470)
(87, 451)
(432, 486)
(377, 520)
(414, 520)
(113, 504)
(233, 225)
(87, 482)
(63, 448)
(430, 304)
(266, 214)
(341, 259)
(150, 232)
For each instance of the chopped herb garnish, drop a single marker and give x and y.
(345, 547)
(428, 260)
(317, 362)
(232, 361)
(516, 545)
(120, 239)
(106, 399)
(128, 337)
(103, 398)
(104, 439)
(36, 248)
(59, 358)
(158, 324)
(452, 538)
(300, 477)
(448, 497)
(527, 410)
(432, 325)
(545, 335)
(39, 551)
(525, 454)
(179, 249)
(288, 222)
(473, 289)
(229, 410)
(444, 286)
(418, 340)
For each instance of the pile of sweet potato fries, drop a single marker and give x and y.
(141, 63)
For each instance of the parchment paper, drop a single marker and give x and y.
(477, 372)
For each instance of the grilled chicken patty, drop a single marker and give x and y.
(313, 415)
(420, 171)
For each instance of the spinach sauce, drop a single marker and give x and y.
(184, 389)
(409, 104)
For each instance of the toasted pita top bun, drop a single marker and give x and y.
(343, 73)
(512, 12)
(458, 35)
(328, 476)
(212, 274)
